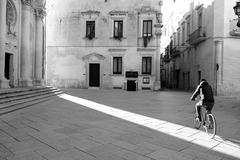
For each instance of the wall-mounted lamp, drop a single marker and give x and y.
(237, 12)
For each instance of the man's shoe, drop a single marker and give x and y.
(197, 119)
(205, 127)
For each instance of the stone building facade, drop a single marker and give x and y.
(201, 41)
(104, 44)
(22, 43)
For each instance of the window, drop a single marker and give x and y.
(178, 37)
(183, 33)
(118, 29)
(174, 39)
(199, 20)
(147, 28)
(188, 28)
(146, 65)
(117, 65)
(90, 29)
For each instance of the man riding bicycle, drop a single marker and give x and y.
(206, 98)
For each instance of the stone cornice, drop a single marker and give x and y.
(90, 12)
(118, 13)
(147, 9)
(116, 50)
(92, 55)
(146, 49)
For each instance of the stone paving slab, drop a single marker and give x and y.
(125, 126)
(5, 152)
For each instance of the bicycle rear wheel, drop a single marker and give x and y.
(197, 123)
(211, 125)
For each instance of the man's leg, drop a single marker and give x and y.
(198, 110)
(209, 106)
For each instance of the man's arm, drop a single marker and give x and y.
(196, 93)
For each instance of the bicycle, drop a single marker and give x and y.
(208, 122)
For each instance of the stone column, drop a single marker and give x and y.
(157, 82)
(26, 57)
(3, 80)
(40, 13)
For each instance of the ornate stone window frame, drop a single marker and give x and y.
(117, 54)
(145, 54)
(90, 15)
(118, 16)
(146, 13)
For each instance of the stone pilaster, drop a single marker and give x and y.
(158, 33)
(218, 67)
(26, 57)
(3, 81)
(40, 13)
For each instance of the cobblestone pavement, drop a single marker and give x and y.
(121, 125)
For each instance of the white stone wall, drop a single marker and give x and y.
(217, 57)
(67, 46)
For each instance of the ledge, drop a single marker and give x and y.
(85, 38)
(146, 49)
(116, 50)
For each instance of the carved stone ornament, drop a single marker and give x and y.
(11, 17)
(39, 3)
(27, 2)
(93, 57)
(159, 17)
(41, 13)
(234, 30)
(91, 14)
(118, 13)
(147, 9)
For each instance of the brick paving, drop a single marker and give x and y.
(122, 125)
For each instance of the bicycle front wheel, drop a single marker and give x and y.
(211, 125)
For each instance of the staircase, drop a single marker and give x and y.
(18, 98)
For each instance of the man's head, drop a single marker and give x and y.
(203, 80)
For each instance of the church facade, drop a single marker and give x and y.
(104, 44)
(22, 43)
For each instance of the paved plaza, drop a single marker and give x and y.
(119, 125)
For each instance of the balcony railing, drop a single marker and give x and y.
(175, 52)
(166, 58)
(197, 36)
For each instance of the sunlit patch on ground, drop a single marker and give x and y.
(178, 131)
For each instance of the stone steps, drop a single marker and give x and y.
(15, 99)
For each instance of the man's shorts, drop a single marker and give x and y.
(207, 105)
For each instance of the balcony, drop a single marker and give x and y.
(234, 30)
(198, 36)
(175, 52)
(166, 58)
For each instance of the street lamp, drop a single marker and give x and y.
(237, 12)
